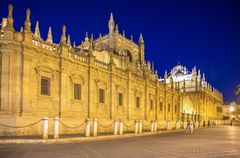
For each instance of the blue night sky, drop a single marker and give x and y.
(201, 33)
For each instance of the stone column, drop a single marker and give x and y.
(95, 127)
(140, 126)
(45, 128)
(115, 127)
(121, 127)
(56, 128)
(87, 130)
(136, 126)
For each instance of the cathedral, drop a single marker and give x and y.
(106, 78)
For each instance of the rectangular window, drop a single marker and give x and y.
(175, 108)
(169, 108)
(138, 102)
(151, 104)
(77, 91)
(120, 99)
(161, 106)
(101, 95)
(45, 86)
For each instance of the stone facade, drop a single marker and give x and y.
(105, 78)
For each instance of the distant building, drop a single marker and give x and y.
(106, 78)
(200, 99)
(231, 110)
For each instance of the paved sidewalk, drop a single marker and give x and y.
(212, 142)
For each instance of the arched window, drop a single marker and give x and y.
(129, 54)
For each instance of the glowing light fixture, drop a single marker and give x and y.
(231, 109)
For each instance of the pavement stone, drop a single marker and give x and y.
(213, 142)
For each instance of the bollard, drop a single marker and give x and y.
(115, 127)
(94, 127)
(168, 125)
(87, 130)
(121, 127)
(45, 128)
(56, 128)
(155, 126)
(136, 126)
(152, 126)
(140, 126)
(178, 125)
(196, 124)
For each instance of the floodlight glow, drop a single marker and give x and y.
(231, 109)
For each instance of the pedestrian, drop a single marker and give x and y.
(189, 128)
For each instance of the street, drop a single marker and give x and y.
(221, 141)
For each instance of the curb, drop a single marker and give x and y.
(82, 139)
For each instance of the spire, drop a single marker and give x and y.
(131, 37)
(100, 35)
(116, 29)
(10, 18)
(199, 73)
(91, 48)
(165, 74)
(123, 33)
(37, 31)
(74, 44)
(140, 39)
(141, 48)
(68, 40)
(111, 25)
(49, 36)
(21, 29)
(91, 37)
(152, 66)
(63, 37)
(203, 78)
(86, 38)
(194, 71)
(27, 24)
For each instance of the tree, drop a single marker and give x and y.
(237, 92)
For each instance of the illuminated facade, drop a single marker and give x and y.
(105, 78)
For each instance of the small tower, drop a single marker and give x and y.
(63, 36)
(37, 31)
(111, 25)
(141, 48)
(49, 36)
(9, 25)
(194, 72)
(203, 78)
(27, 23)
(68, 40)
(116, 29)
(91, 39)
(86, 38)
(199, 73)
(152, 69)
(165, 77)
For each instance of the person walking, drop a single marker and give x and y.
(189, 128)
